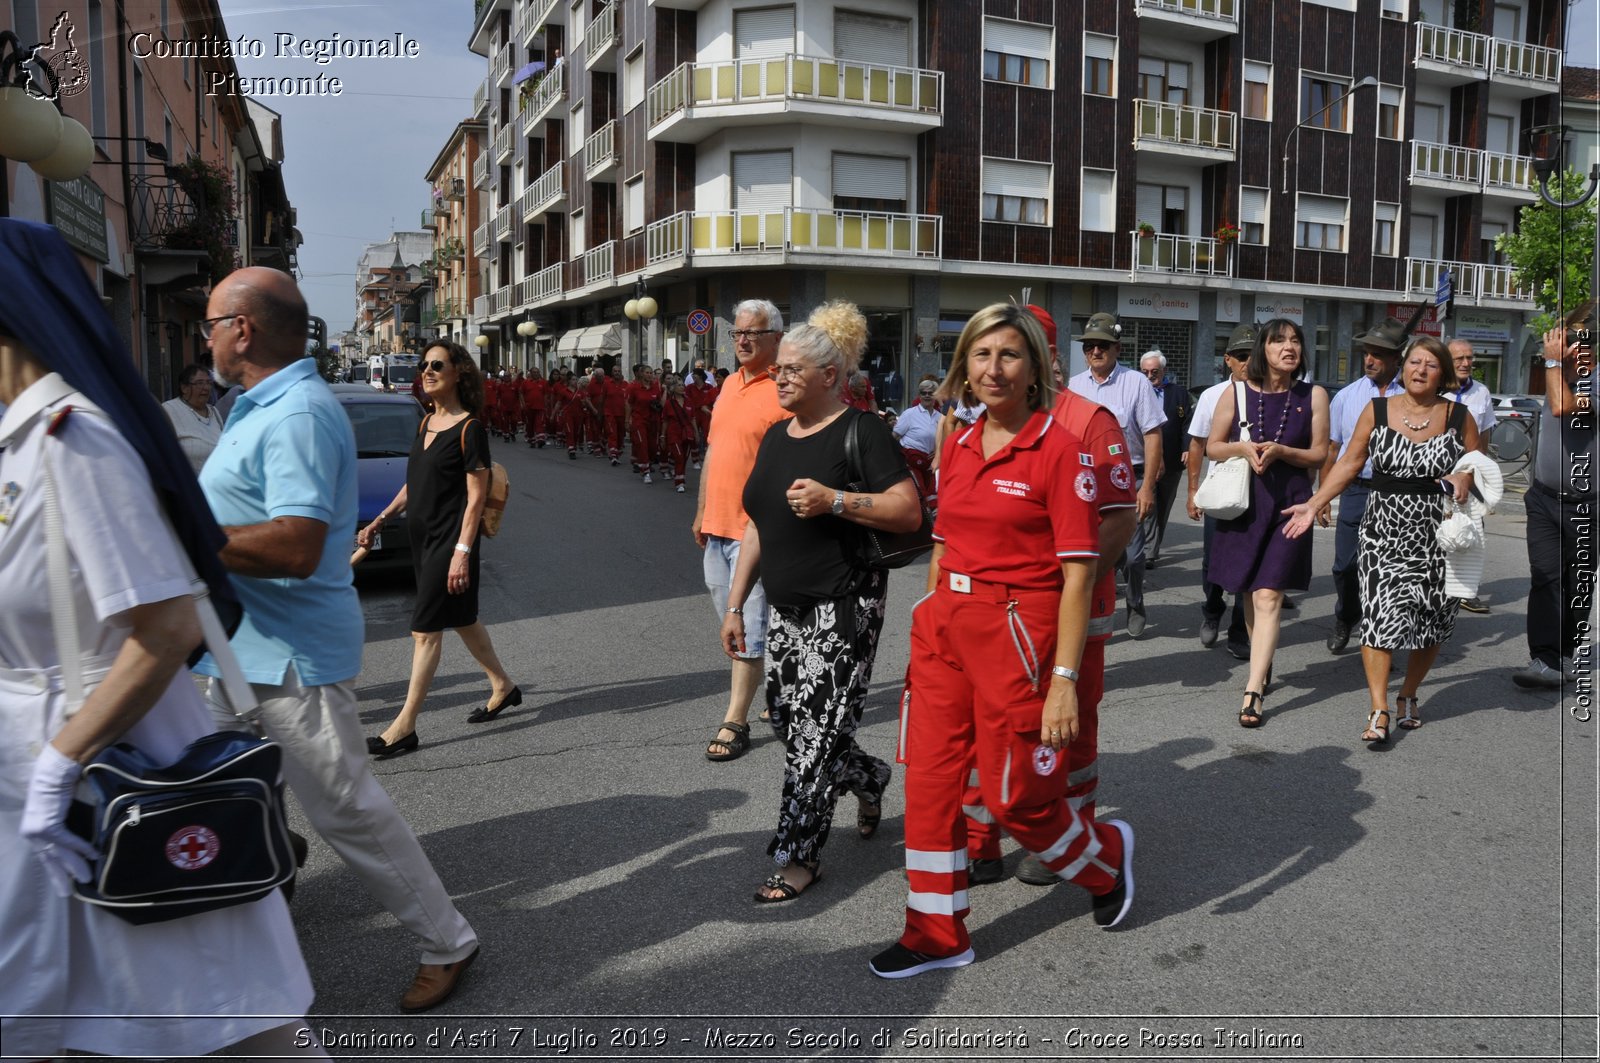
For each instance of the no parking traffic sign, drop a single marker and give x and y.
(699, 322)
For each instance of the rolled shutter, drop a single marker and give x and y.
(1147, 204)
(1252, 206)
(762, 180)
(1016, 38)
(869, 176)
(1004, 177)
(870, 39)
(1323, 210)
(763, 31)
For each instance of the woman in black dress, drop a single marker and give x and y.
(826, 613)
(447, 482)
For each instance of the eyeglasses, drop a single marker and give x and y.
(1096, 345)
(752, 333)
(196, 382)
(788, 372)
(926, 395)
(207, 324)
(436, 366)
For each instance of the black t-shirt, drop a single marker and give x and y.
(807, 561)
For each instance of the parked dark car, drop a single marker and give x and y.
(385, 426)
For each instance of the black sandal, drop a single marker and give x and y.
(733, 748)
(867, 822)
(787, 890)
(1250, 714)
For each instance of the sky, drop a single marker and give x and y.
(354, 163)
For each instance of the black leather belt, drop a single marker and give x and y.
(1559, 496)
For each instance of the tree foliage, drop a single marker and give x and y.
(1553, 248)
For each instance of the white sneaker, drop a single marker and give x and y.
(647, 479)
(680, 489)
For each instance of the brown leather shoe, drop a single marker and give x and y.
(434, 983)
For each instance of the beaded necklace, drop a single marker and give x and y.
(1261, 416)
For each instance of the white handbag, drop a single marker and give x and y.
(1225, 491)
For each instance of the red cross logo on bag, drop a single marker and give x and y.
(191, 848)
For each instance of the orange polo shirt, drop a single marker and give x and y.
(744, 410)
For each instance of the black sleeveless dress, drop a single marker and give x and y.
(436, 500)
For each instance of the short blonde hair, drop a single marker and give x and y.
(835, 335)
(1003, 315)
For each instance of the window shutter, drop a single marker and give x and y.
(1147, 204)
(763, 31)
(1099, 47)
(1005, 177)
(633, 81)
(1252, 206)
(869, 39)
(1323, 210)
(762, 180)
(869, 176)
(1260, 73)
(633, 205)
(1016, 38)
(1098, 189)
(1389, 212)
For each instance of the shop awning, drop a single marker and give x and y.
(594, 340)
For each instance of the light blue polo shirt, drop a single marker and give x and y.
(1347, 408)
(288, 451)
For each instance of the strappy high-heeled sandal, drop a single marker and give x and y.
(1409, 720)
(1379, 734)
(1250, 713)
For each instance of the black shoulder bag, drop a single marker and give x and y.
(881, 549)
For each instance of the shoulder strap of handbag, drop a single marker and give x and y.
(63, 614)
(1240, 394)
(852, 449)
(1458, 416)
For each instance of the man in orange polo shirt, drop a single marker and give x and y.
(746, 407)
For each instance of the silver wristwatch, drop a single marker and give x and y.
(838, 503)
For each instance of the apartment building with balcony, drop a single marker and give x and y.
(451, 217)
(1186, 163)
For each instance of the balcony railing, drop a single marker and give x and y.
(796, 77)
(1453, 47)
(480, 98)
(1447, 162)
(163, 215)
(546, 284)
(598, 263)
(1509, 173)
(501, 65)
(480, 171)
(549, 90)
(480, 238)
(502, 223)
(542, 13)
(1202, 256)
(1182, 126)
(600, 150)
(503, 141)
(456, 189)
(500, 301)
(1531, 62)
(814, 230)
(480, 307)
(600, 34)
(1473, 281)
(1223, 10)
(539, 196)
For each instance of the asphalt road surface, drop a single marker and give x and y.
(1299, 894)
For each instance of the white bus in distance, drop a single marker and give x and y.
(392, 372)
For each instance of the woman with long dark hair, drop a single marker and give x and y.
(447, 483)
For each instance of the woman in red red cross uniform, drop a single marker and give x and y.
(997, 645)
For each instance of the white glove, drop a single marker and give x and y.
(44, 820)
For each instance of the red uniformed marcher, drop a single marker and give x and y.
(615, 413)
(677, 430)
(533, 390)
(642, 394)
(561, 418)
(699, 395)
(997, 647)
(1104, 442)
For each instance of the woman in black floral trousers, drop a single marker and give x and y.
(827, 612)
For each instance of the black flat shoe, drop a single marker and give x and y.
(489, 712)
(384, 750)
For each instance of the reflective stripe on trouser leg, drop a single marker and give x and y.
(937, 743)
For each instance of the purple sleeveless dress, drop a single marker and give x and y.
(1249, 552)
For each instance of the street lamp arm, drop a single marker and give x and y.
(1567, 204)
(1368, 82)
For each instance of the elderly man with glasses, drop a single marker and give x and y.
(917, 429)
(745, 408)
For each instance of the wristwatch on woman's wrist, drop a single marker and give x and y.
(1552, 363)
(838, 503)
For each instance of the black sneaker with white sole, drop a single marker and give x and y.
(982, 872)
(897, 961)
(1109, 908)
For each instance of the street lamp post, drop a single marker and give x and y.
(32, 128)
(1547, 167)
(528, 330)
(1368, 82)
(640, 309)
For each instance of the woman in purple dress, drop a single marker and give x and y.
(1287, 420)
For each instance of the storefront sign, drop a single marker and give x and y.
(1271, 306)
(78, 210)
(1429, 325)
(1486, 327)
(1171, 303)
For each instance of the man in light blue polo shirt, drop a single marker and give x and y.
(282, 483)
(1381, 364)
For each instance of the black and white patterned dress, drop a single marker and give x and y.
(1400, 564)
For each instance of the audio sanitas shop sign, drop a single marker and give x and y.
(319, 51)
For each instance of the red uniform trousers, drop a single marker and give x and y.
(643, 442)
(574, 419)
(972, 699)
(614, 434)
(533, 423)
(679, 437)
(1083, 777)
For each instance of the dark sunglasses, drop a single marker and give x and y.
(1096, 345)
(436, 365)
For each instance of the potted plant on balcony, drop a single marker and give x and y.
(212, 228)
(1145, 229)
(1226, 233)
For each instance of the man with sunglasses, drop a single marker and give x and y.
(1126, 393)
(745, 408)
(282, 483)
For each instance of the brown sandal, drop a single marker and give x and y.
(732, 749)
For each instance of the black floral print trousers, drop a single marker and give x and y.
(818, 667)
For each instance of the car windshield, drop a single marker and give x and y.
(383, 429)
(401, 374)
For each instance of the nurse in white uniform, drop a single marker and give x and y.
(73, 977)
